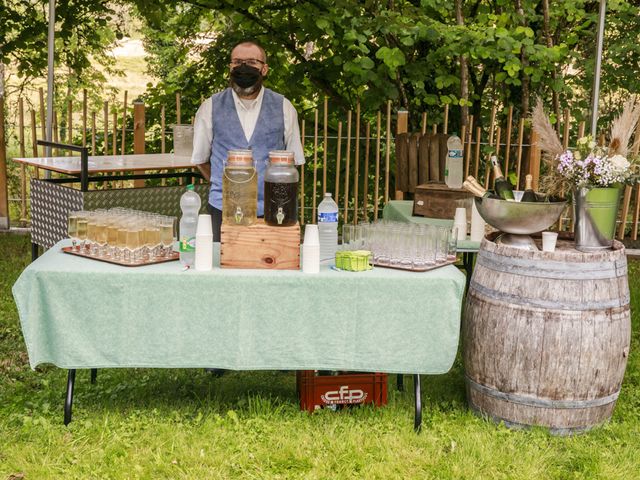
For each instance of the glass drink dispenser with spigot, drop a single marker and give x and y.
(239, 189)
(281, 190)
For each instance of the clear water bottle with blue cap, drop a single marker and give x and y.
(328, 228)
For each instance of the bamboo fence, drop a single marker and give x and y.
(356, 148)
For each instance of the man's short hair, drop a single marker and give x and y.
(252, 42)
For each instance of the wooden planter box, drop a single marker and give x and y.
(436, 200)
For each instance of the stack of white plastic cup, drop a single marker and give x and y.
(204, 244)
(460, 222)
(311, 250)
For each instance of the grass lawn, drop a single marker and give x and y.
(188, 424)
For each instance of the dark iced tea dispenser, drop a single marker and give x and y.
(281, 189)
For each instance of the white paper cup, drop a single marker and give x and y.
(204, 225)
(310, 258)
(311, 235)
(204, 252)
(549, 240)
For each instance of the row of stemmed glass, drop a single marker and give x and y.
(122, 234)
(404, 245)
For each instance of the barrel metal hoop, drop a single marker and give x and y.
(541, 402)
(554, 269)
(565, 304)
(558, 431)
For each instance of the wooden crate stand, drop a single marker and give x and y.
(260, 246)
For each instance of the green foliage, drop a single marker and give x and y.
(369, 50)
(84, 30)
(373, 51)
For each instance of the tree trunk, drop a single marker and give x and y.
(547, 34)
(464, 72)
(524, 60)
(479, 86)
(4, 193)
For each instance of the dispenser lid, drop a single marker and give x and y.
(240, 157)
(281, 157)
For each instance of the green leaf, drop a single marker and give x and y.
(366, 63)
(322, 23)
(392, 57)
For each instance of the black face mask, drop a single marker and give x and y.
(245, 76)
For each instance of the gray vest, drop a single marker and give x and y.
(228, 135)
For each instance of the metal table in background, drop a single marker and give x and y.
(53, 198)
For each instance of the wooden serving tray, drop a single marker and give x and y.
(83, 253)
(411, 269)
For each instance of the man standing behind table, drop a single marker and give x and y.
(244, 116)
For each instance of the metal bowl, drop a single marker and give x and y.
(522, 218)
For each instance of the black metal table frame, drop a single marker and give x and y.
(71, 380)
(85, 179)
(468, 260)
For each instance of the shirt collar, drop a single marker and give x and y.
(255, 103)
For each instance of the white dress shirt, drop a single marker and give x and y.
(248, 112)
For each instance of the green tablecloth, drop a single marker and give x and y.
(81, 313)
(401, 211)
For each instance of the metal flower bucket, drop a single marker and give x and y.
(595, 213)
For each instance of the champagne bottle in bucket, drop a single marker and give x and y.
(502, 185)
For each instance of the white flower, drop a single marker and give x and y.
(592, 145)
(619, 163)
(583, 140)
(577, 155)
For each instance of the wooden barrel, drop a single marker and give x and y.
(546, 335)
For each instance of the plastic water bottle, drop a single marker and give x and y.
(328, 228)
(190, 206)
(453, 166)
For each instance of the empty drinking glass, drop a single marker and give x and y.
(442, 245)
(348, 234)
(452, 245)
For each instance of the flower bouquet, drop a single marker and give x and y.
(594, 174)
(592, 165)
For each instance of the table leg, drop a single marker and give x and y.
(68, 403)
(94, 375)
(400, 382)
(417, 424)
(34, 251)
(468, 260)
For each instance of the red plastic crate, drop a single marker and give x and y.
(317, 391)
